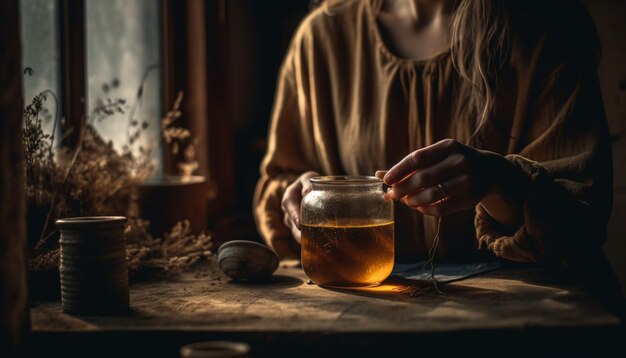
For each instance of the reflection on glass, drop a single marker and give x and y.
(41, 55)
(123, 54)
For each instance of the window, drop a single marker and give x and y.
(123, 54)
(40, 53)
(89, 51)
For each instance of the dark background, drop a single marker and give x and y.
(258, 34)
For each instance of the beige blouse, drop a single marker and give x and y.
(345, 104)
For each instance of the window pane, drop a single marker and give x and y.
(123, 51)
(40, 52)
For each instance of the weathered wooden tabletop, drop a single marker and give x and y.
(204, 305)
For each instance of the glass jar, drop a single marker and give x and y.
(347, 231)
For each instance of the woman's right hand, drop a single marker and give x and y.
(291, 202)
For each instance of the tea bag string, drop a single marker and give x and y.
(431, 284)
(432, 253)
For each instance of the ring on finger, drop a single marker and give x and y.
(442, 191)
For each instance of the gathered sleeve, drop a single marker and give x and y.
(290, 152)
(560, 142)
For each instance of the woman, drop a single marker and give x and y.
(487, 113)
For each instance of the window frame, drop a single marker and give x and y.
(207, 105)
(73, 57)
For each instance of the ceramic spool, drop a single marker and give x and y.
(94, 275)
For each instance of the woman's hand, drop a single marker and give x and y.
(448, 176)
(291, 203)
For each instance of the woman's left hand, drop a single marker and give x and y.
(445, 177)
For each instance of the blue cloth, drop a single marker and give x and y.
(444, 272)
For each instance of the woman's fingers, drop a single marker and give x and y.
(293, 197)
(306, 186)
(459, 185)
(380, 174)
(297, 235)
(465, 173)
(431, 176)
(420, 159)
(291, 202)
(295, 232)
(448, 206)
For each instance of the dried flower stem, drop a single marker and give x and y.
(138, 100)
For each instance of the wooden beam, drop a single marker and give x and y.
(72, 19)
(219, 121)
(194, 54)
(168, 71)
(13, 292)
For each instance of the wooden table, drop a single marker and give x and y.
(510, 309)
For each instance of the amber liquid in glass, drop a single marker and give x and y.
(350, 253)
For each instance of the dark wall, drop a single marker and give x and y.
(259, 34)
(609, 18)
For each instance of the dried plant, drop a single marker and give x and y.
(89, 179)
(38, 146)
(177, 250)
(92, 178)
(176, 137)
(45, 259)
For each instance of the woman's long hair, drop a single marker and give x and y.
(479, 48)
